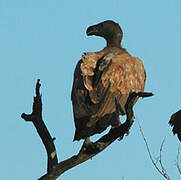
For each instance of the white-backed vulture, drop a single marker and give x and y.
(103, 81)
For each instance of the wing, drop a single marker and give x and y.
(83, 107)
(111, 80)
(102, 80)
(125, 75)
(85, 98)
(79, 95)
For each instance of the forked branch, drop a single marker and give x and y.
(160, 169)
(36, 118)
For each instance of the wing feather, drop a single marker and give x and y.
(100, 79)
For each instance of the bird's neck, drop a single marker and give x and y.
(114, 45)
(114, 49)
(113, 42)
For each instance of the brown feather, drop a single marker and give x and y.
(123, 74)
(103, 81)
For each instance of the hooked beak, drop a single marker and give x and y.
(92, 30)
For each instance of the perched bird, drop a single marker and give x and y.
(103, 81)
(175, 122)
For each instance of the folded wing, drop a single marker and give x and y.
(102, 80)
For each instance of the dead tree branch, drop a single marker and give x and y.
(36, 118)
(99, 145)
(87, 151)
(161, 170)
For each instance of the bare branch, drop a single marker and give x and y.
(87, 152)
(88, 149)
(162, 171)
(177, 160)
(36, 118)
(160, 159)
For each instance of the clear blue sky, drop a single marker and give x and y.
(44, 39)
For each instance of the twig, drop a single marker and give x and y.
(162, 172)
(177, 161)
(160, 159)
(36, 118)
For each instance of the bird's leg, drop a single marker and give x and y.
(89, 146)
(87, 141)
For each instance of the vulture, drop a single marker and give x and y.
(103, 81)
(175, 122)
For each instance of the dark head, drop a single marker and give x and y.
(109, 30)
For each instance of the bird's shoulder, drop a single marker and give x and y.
(90, 60)
(126, 73)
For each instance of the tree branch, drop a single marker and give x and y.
(88, 150)
(36, 118)
(162, 171)
(98, 146)
(177, 160)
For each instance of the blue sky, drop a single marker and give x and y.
(44, 39)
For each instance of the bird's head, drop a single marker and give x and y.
(109, 30)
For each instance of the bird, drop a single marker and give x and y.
(175, 122)
(103, 81)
